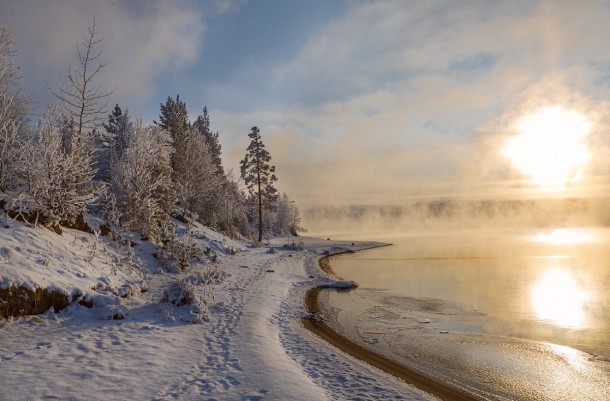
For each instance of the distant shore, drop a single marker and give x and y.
(327, 333)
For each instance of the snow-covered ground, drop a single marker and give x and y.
(253, 347)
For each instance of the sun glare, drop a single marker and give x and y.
(565, 236)
(558, 298)
(550, 147)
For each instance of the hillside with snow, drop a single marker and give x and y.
(132, 342)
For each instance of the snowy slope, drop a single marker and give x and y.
(70, 263)
(254, 346)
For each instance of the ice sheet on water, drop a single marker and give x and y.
(437, 338)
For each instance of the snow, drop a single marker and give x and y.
(36, 257)
(253, 347)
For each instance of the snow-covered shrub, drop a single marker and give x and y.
(180, 293)
(179, 253)
(131, 260)
(295, 246)
(184, 293)
(57, 181)
(109, 307)
(211, 275)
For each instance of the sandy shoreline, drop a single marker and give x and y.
(324, 331)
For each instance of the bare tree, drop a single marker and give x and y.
(85, 102)
(9, 72)
(13, 110)
(10, 147)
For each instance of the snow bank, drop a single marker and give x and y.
(253, 345)
(74, 264)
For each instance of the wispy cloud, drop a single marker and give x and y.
(399, 98)
(141, 40)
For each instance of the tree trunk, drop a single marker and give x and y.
(260, 208)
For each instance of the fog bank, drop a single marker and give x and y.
(444, 214)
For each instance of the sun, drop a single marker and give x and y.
(550, 148)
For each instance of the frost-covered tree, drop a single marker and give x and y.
(259, 177)
(59, 183)
(84, 101)
(9, 72)
(141, 182)
(235, 213)
(13, 110)
(10, 149)
(197, 173)
(199, 187)
(287, 217)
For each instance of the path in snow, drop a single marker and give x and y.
(254, 347)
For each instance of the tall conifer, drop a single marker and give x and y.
(259, 176)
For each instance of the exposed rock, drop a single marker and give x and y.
(20, 301)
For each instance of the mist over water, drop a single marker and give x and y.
(528, 284)
(496, 294)
(436, 215)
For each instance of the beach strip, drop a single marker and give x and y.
(327, 333)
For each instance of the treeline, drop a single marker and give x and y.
(466, 213)
(79, 158)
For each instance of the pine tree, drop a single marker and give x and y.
(174, 119)
(202, 124)
(112, 144)
(119, 128)
(174, 116)
(259, 176)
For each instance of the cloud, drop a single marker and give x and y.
(226, 6)
(141, 41)
(396, 99)
(389, 44)
(347, 152)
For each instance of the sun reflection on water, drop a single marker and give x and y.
(558, 298)
(565, 236)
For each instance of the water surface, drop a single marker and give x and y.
(519, 314)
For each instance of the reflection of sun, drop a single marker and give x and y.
(565, 236)
(557, 297)
(550, 147)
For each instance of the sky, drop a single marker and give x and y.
(357, 101)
